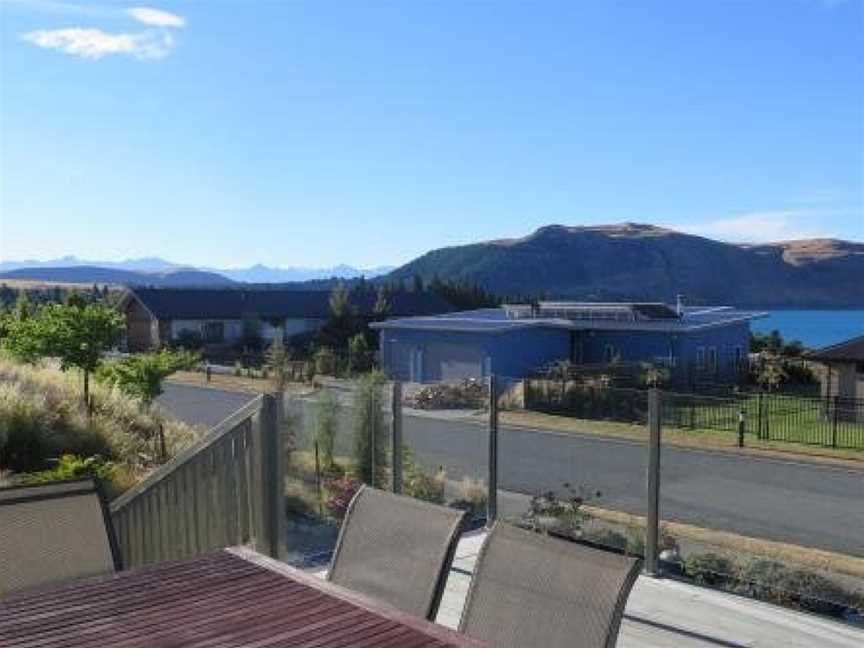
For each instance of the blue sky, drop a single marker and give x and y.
(223, 133)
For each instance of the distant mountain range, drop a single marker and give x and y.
(643, 262)
(156, 271)
(117, 276)
(628, 261)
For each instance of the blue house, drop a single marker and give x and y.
(516, 340)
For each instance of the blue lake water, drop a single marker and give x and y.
(815, 328)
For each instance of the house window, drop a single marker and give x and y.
(738, 357)
(700, 357)
(859, 367)
(214, 332)
(608, 353)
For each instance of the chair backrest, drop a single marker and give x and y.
(396, 549)
(534, 590)
(54, 532)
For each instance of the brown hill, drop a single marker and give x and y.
(635, 261)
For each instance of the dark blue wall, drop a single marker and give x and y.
(519, 352)
(513, 353)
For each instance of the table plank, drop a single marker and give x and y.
(230, 599)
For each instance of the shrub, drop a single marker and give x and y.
(371, 432)
(37, 426)
(339, 494)
(326, 422)
(606, 538)
(359, 358)
(469, 393)
(423, 485)
(73, 467)
(709, 569)
(635, 540)
(42, 418)
(325, 361)
(772, 581)
(472, 496)
(549, 513)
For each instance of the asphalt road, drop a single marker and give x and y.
(802, 503)
(201, 405)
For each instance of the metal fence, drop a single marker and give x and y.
(225, 490)
(762, 416)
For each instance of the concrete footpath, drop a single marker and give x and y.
(663, 613)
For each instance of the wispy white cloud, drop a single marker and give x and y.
(156, 17)
(94, 44)
(759, 227)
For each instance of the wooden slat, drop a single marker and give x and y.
(222, 600)
(214, 435)
(227, 489)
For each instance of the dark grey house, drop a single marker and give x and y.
(159, 316)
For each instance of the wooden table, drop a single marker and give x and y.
(227, 599)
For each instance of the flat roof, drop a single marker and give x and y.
(495, 320)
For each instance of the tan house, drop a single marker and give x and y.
(843, 377)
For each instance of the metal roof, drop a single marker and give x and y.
(848, 351)
(495, 320)
(234, 303)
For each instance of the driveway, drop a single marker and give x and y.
(201, 405)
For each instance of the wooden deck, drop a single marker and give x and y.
(227, 599)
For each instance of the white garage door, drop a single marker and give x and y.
(452, 362)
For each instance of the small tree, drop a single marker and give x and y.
(277, 358)
(371, 434)
(770, 373)
(77, 333)
(358, 353)
(326, 422)
(381, 309)
(343, 322)
(24, 338)
(142, 375)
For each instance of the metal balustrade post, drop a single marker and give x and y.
(396, 432)
(652, 520)
(492, 499)
(273, 483)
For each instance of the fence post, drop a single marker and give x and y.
(492, 498)
(741, 427)
(759, 415)
(834, 422)
(272, 445)
(652, 521)
(318, 481)
(396, 431)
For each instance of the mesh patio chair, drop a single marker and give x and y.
(533, 590)
(54, 532)
(396, 549)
